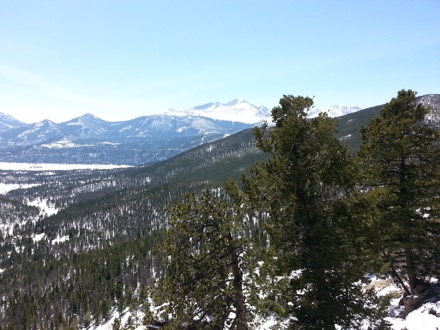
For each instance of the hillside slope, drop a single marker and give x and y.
(97, 254)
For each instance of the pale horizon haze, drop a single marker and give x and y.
(119, 60)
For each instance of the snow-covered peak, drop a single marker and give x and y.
(334, 111)
(236, 102)
(206, 106)
(44, 123)
(8, 121)
(89, 116)
(237, 110)
(87, 120)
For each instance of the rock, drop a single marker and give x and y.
(411, 303)
(432, 294)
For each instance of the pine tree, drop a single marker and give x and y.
(203, 281)
(400, 158)
(304, 190)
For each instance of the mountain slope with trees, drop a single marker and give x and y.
(103, 251)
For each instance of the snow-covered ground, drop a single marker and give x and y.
(427, 317)
(125, 318)
(6, 187)
(46, 208)
(423, 318)
(56, 167)
(60, 239)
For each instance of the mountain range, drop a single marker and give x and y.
(91, 140)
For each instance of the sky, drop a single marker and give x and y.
(123, 59)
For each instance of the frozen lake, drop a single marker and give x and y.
(56, 167)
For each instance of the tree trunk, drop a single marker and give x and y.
(403, 196)
(240, 308)
(411, 270)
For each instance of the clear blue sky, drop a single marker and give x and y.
(123, 59)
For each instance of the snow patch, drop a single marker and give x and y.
(60, 239)
(63, 143)
(345, 137)
(110, 143)
(6, 187)
(46, 207)
(124, 319)
(38, 237)
(424, 318)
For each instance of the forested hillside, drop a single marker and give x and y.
(104, 237)
(102, 249)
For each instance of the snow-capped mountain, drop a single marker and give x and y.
(236, 110)
(335, 111)
(88, 139)
(7, 122)
(91, 140)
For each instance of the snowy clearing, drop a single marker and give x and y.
(46, 207)
(60, 239)
(7, 187)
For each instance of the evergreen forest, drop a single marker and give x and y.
(287, 221)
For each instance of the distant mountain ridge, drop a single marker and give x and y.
(7, 122)
(235, 110)
(335, 111)
(349, 125)
(89, 139)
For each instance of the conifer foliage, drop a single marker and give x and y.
(304, 188)
(204, 281)
(400, 158)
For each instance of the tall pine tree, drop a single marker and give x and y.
(400, 158)
(304, 189)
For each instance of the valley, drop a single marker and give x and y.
(81, 242)
(111, 220)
